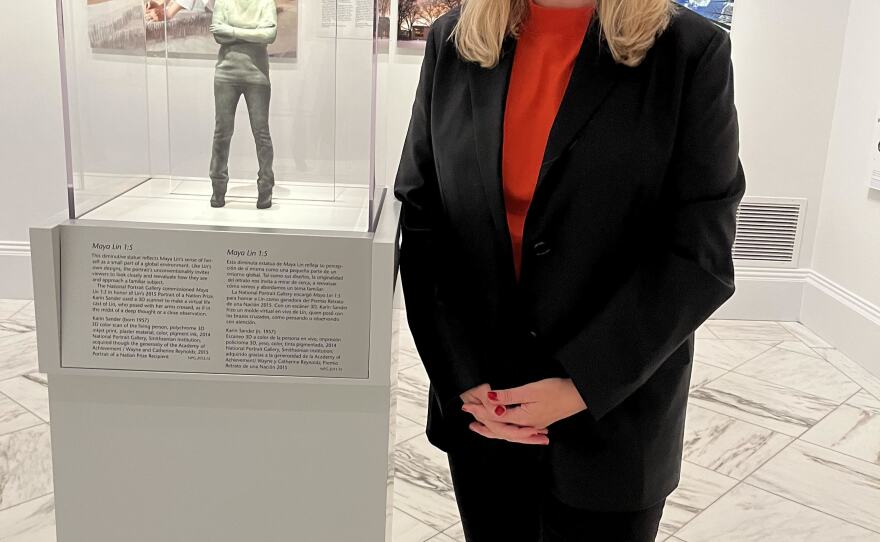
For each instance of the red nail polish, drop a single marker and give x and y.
(499, 410)
(493, 396)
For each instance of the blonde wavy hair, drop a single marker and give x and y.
(629, 27)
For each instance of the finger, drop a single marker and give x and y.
(478, 412)
(481, 429)
(512, 396)
(539, 440)
(473, 395)
(531, 439)
(509, 431)
(482, 415)
(518, 415)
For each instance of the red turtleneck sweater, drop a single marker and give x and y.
(547, 47)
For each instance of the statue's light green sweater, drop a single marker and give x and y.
(244, 59)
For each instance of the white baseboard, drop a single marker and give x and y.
(766, 294)
(844, 319)
(15, 261)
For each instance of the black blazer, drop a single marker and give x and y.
(627, 248)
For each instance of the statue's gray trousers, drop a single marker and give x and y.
(226, 97)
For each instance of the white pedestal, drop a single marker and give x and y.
(163, 456)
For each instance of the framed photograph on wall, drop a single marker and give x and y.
(414, 17)
(180, 26)
(718, 11)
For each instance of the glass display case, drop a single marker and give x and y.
(218, 310)
(233, 113)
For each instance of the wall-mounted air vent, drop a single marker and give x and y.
(768, 232)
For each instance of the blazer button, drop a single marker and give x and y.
(533, 334)
(541, 248)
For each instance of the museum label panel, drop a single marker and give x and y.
(215, 302)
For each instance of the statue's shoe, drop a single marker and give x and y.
(264, 199)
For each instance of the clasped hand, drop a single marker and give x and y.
(522, 414)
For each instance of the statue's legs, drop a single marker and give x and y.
(226, 98)
(257, 98)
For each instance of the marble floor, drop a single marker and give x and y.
(782, 442)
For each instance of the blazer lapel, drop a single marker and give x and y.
(488, 88)
(593, 77)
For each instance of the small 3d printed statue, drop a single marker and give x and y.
(244, 29)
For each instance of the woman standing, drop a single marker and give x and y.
(569, 184)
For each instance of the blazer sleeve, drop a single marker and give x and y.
(677, 286)
(447, 345)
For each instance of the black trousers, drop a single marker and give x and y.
(503, 494)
